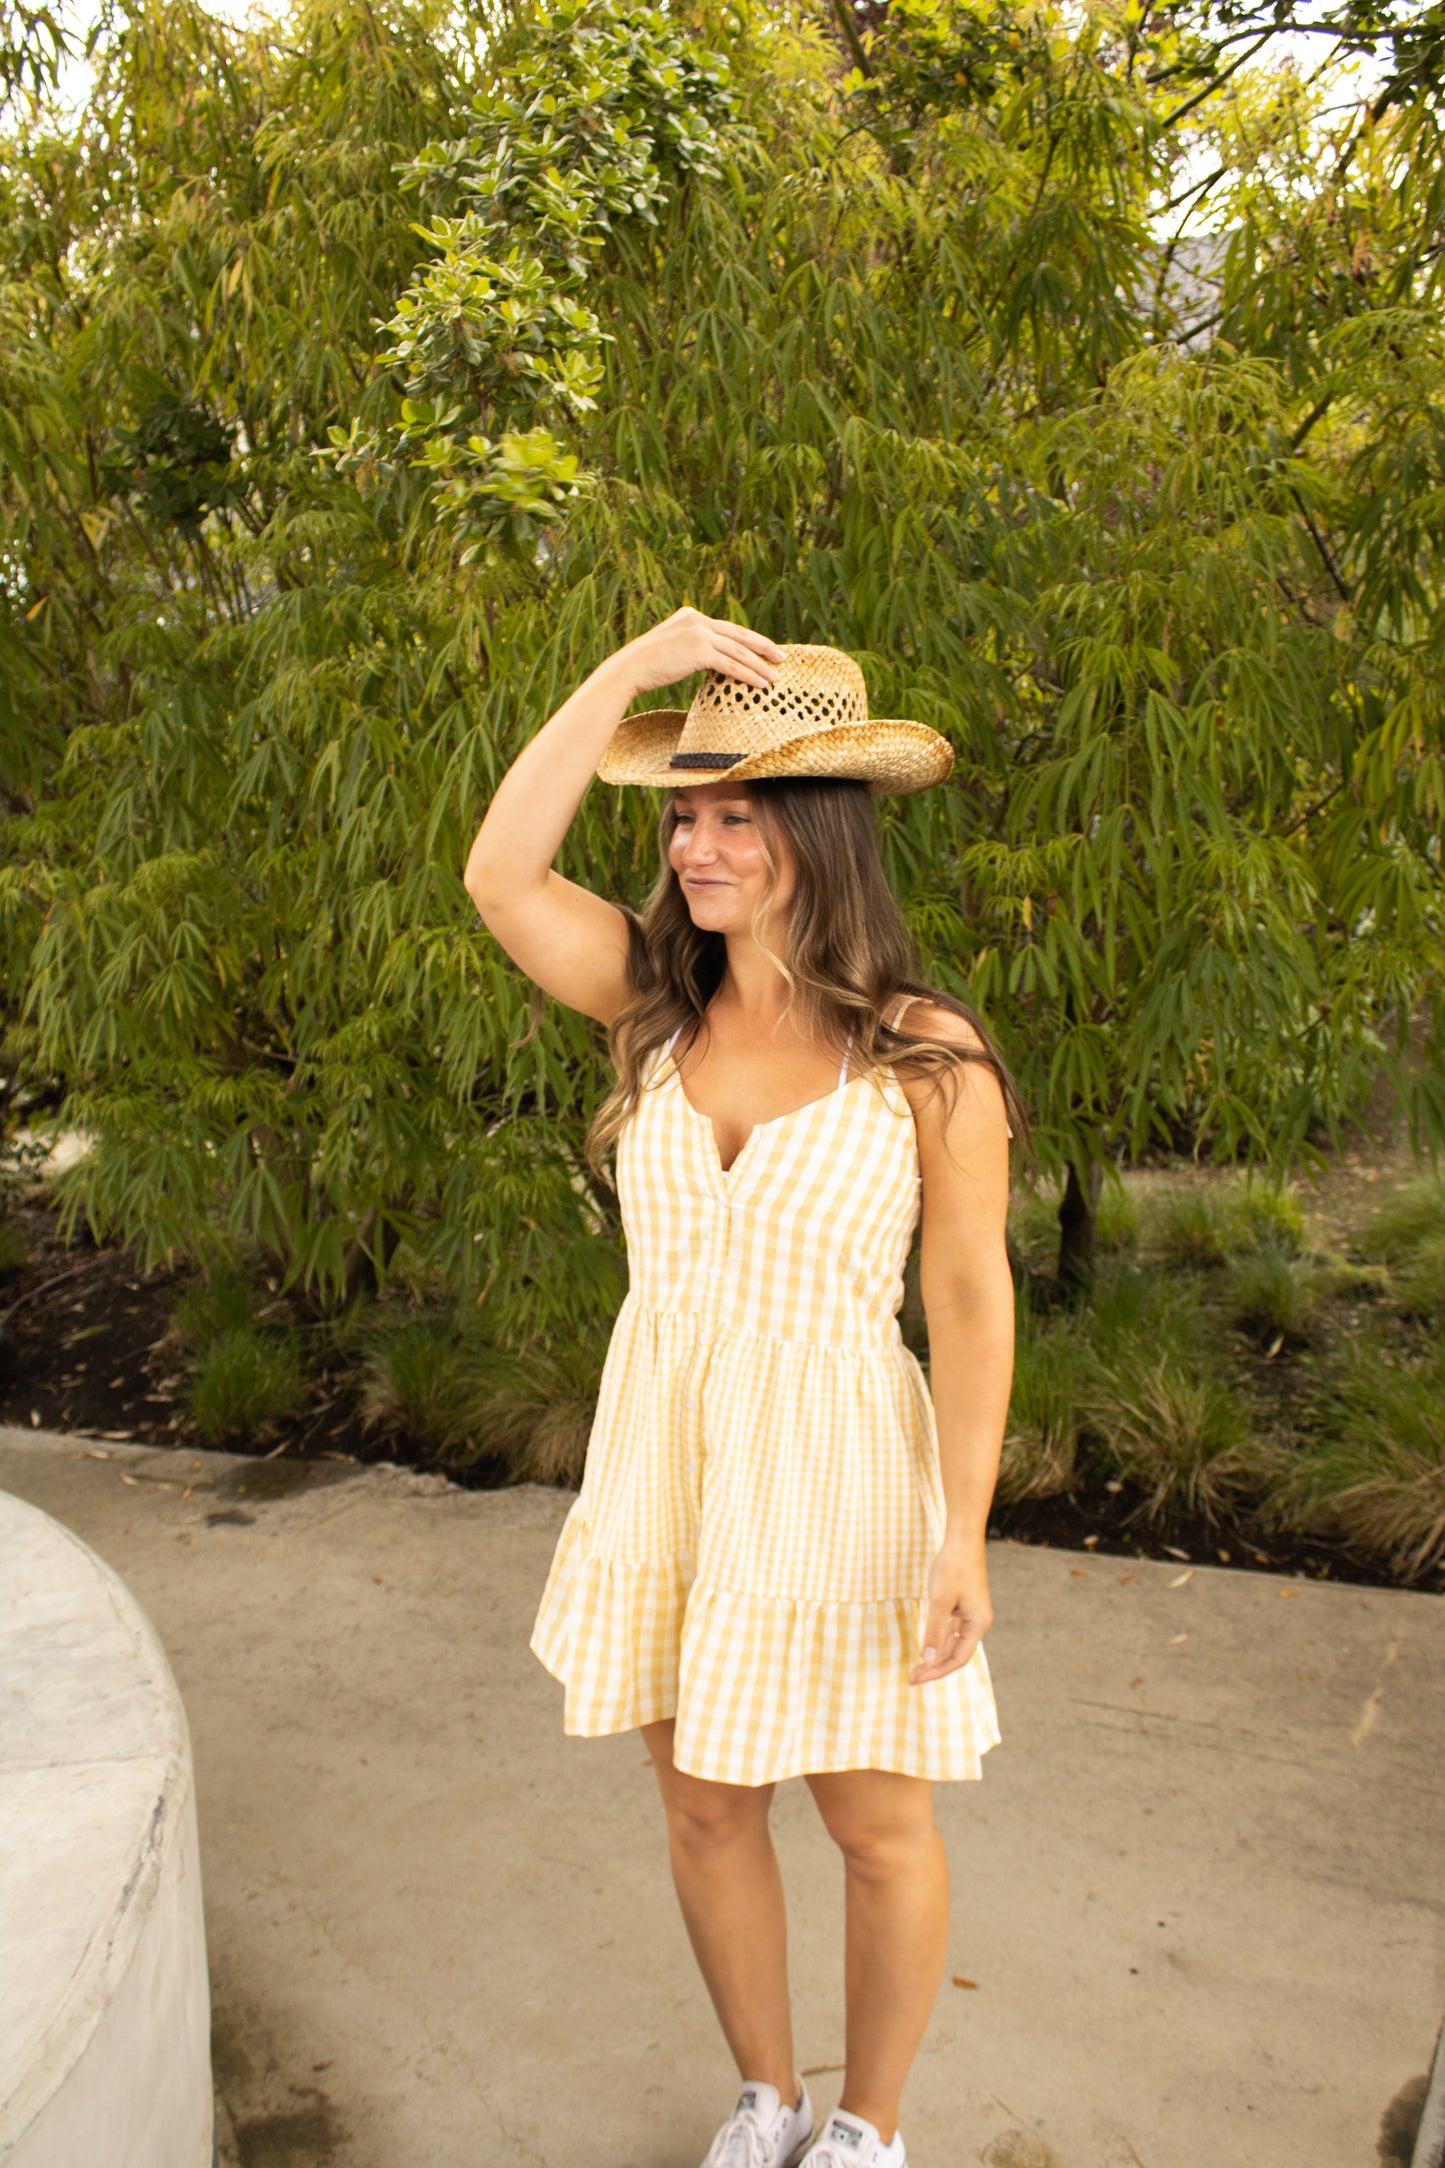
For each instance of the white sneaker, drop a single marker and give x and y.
(849, 2142)
(763, 2131)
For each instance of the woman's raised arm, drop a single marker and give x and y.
(571, 942)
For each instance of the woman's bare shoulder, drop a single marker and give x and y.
(925, 1019)
(934, 1109)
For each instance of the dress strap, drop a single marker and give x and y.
(896, 1018)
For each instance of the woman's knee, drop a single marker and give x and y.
(880, 1829)
(704, 1817)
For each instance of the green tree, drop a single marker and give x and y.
(363, 395)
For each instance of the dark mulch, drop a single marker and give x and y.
(84, 1348)
(1094, 1520)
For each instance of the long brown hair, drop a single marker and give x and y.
(848, 951)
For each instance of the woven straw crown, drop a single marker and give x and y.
(813, 720)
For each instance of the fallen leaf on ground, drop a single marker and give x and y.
(1369, 1716)
(1124, 1579)
(1089, 1542)
(1287, 1592)
(97, 1452)
(1077, 1573)
(959, 1981)
(1169, 1547)
(1136, 1682)
(1174, 1643)
(1180, 1578)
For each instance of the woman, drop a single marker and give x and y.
(770, 1510)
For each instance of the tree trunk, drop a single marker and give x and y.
(1077, 1223)
(360, 1266)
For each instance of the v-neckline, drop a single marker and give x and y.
(697, 1114)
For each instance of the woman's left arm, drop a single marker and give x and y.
(968, 1299)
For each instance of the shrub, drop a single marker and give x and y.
(1336, 1276)
(1272, 1293)
(1264, 1215)
(421, 1379)
(246, 1379)
(1420, 1283)
(1206, 1223)
(1131, 1312)
(1155, 1409)
(1190, 1226)
(223, 1305)
(1377, 1474)
(538, 1411)
(1041, 1443)
(1173, 1428)
(1402, 1224)
(1034, 1227)
(465, 1401)
(1116, 1225)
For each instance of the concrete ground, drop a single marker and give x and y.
(1197, 1891)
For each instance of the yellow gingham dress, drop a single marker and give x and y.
(761, 1500)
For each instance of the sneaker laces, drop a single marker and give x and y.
(742, 2143)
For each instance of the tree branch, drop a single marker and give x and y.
(1217, 83)
(1184, 194)
(1309, 813)
(1318, 539)
(848, 24)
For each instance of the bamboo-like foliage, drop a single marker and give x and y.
(341, 431)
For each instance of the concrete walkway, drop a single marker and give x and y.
(1196, 1893)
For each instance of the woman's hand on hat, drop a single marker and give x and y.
(959, 1613)
(689, 641)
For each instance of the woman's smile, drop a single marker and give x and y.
(714, 821)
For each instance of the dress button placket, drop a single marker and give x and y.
(713, 1267)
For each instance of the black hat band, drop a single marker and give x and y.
(704, 760)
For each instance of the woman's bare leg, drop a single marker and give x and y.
(897, 1928)
(726, 1874)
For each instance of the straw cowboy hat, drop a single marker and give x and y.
(813, 720)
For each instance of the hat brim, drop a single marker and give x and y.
(888, 755)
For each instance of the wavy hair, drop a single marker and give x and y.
(848, 953)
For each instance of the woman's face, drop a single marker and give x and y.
(716, 853)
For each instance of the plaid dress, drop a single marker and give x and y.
(761, 1501)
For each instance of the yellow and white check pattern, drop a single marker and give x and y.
(761, 1499)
